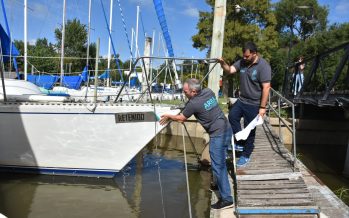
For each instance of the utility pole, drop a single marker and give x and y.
(217, 44)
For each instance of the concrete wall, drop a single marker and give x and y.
(321, 132)
(194, 130)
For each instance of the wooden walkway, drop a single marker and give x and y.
(269, 185)
(269, 182)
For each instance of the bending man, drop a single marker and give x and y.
(204, 106)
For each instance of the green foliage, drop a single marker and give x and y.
(42, 48)
(75, 43)
(256, 24)
(342, 193)
(318, 43)
(301, 17)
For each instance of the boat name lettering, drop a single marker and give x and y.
(130, 117)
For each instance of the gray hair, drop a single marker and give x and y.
(194, 84)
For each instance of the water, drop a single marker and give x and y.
(152, 185)
(327, 163)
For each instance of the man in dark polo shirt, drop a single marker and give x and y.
(204, 106)
(255, 76)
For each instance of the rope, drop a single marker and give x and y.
(125, 29)
(186, 173)
(158, 169)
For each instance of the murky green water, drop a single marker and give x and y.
(327, 163)
(152, 185)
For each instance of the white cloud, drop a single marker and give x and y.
(342, 7)
(32, 41)
(191, 12)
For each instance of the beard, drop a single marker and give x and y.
(246, 63)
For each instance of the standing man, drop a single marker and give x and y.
(204, 106)
(298, 77)
(255, 76)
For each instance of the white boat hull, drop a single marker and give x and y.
(58, 138)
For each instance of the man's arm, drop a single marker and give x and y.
(167, 117)
(226, 68)
(264, 99)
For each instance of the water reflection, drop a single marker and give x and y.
(152, 185)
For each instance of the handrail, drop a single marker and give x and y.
(280, 98)
(204, 60)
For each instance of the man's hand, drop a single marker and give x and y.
(221, 61)
(226, 68)
(164, 119)
(262, 112)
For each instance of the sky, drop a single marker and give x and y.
(44, 16)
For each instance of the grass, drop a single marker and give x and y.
(171, 102)
(342, 193)
(223, 104)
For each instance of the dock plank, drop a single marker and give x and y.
(269, 181)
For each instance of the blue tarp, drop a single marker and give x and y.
(133, 81)
(6, 45)
(104, 75)
(118, 83)
(162, 20)
(44, 81)
(72, 82)
(84, 74)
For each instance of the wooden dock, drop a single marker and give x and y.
(269, 186)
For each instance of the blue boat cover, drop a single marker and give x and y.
(72, 82)
(105, 75)
(133, 81)
(84, 74)
(118, 83)
(44, 81)
(6, 45)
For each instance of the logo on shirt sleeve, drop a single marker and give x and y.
(210, 103)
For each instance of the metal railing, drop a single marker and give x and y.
(275, 96)
(141, 59)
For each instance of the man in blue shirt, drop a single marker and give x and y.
(255, 77)
(204, 106)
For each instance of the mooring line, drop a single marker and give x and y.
(186, 173)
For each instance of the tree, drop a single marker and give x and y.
(75, 43)
(39, 51)
(43, 48)
(300, 17)
(257, 23)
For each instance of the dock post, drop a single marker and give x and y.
(346, 163)
(217, 44)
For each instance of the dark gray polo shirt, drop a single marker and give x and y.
(205, 108)
(251, 79)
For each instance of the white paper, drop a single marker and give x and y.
(243, 134)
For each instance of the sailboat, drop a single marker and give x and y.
(49, 135)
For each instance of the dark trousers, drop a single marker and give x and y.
(248, 112)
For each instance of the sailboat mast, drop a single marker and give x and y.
(62, 43)
(25, 41)
(137, 52)
(109, 43)
(88, 32)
